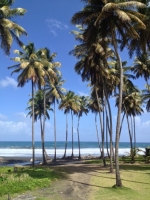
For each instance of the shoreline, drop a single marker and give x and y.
(8, 161)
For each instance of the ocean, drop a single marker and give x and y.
(24, 149)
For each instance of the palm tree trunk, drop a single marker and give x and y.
(78, 139)
(110, 131)
(118, 179)
(101, 126)
(134, 134)
(66, 135)
(130, 135)
(72, 155)
(43, 154)
(107, 127)
(121, 124)
(33, 148)
(103, 136)
(98, 135)
(43, 131)
(54, 132)
(131, 128)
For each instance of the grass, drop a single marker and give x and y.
(135, 180)
(125, 159)
(24, 180)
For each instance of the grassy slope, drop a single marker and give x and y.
(135, 179)
(26, 179)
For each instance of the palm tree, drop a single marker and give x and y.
(142, 45)
(93, 107)
(30, 68)
(141, 66)
(70, 103)
(9, 30)
(146, 97)
(54, 92)
(40, 114)
(82, 109)
(111, 18)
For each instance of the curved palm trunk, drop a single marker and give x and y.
(121, 124)
(78, 139)
(110, 128)
(66, 135)
(130, 135)
(33, 148)
(72, 155)
(118, 179)
(102, 129)
(98, 135)
(54, 132)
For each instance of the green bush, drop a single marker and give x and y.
(28, 179)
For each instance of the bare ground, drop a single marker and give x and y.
(76, 186)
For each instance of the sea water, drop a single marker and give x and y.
(24, 149)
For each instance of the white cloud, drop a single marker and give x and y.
(2, 116)
(10, 127)
(146, 124)
(53, 32)
(22, 114)
(83, 94)
(8, 82)
(55, 25)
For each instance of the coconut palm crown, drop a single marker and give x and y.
(10, 30)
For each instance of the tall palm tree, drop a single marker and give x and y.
(30, 68)
(55, 91)
(111, 19)
(83, 103)
(93, 107)
(41, 113)
(70, 103)
(10, 30)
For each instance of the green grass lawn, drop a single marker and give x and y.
(27, 179)
(135, 180)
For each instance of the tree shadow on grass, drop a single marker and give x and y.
(41, 173)
(133, 167)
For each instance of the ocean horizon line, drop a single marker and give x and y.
(65, 141)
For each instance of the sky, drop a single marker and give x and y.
(48, 24)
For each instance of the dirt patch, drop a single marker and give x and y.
(75, 186)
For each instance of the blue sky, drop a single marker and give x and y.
(48, 24)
